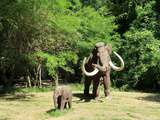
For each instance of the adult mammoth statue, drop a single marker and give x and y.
(97, 67)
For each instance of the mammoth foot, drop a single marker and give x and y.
(109, 97)
(104, 99)
(89, 96)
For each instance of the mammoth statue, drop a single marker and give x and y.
(97, 67)
(62, 97)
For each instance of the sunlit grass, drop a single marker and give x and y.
(39, 106)
(57, 113)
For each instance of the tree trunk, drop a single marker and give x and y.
(38, 81)
(35, 77)
(28, 78)
(29, 81)
(56, 81)
(40, 74)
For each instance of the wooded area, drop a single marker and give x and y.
(47, 40)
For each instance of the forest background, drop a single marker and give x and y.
(48, 39)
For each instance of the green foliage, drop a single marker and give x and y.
(146, 17)
(141, 49)
(67, 60)
(94, 27)
(144, 56)
(63, 60)
(124, 11)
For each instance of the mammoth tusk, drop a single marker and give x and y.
(115, 67)
(94, 72)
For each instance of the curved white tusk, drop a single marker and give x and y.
(115, 67)
(94, 72)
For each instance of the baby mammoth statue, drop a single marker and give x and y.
(61, 97)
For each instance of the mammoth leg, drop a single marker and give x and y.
(59, 102)
(96, 81)
(69, 104)
(87, 84)
(106, 82)
(55, 102)
(65, 105)
(62, 104)
(70, 100)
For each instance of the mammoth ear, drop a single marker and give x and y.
(109, 48)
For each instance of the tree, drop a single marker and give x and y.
(27, 27)
(141, 48)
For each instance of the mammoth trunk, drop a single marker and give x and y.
(94, 72)
(105, 62)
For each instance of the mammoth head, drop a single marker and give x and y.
(103, 60)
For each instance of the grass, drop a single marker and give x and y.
(13, 90)
(33, 105)
(57, 113)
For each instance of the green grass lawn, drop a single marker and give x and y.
(122, 106)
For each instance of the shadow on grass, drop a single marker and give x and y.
(7, 90)
(56, 112)
(153, 98)
(19, 97)
(20, 93)
(13, 94)
(82, 97)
